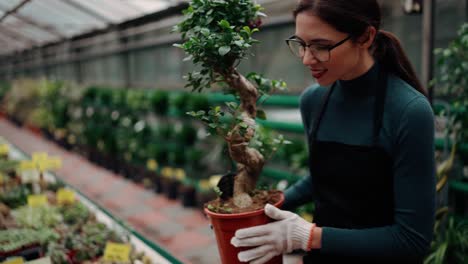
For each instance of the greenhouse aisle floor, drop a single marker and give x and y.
(183, 232)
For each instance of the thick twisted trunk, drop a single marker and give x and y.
(250, 161)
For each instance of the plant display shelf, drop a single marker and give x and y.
(156, 253)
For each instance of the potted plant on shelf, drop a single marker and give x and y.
(218, 34)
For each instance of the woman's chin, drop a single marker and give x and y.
(324, 82)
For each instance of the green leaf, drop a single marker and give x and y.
(247, 29)
(224, 50)
(261, 114)
(239, 43)
(225, 24)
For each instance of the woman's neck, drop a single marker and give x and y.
(362, 66)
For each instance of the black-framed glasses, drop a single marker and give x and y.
(321, 53)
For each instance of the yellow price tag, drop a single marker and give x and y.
(204, 184)
(152, 164)
(48, 164)
(65, 196)
(54, 163)
(15, 260)
(37, 200)
(38, 157)
(4, 149)
(167, 172)
(26, 165)
(117, 252)
(214, 180)
(179, 174)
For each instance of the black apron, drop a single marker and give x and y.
(353, 185)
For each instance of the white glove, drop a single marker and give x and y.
(290, 232)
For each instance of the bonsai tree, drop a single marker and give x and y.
(217, 35)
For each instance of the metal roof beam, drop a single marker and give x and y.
(13, 10)
(88, 11)
(16, 36)
(48, 28)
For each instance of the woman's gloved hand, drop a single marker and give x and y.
(288, 233)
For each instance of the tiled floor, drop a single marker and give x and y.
(183, 232)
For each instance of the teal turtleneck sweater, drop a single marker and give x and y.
(407, 134)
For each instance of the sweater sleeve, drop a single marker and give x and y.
(298, 194)
(414, 186)
(301, 192)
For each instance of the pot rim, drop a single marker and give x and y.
(242, 215)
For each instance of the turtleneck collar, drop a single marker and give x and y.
(362, 85)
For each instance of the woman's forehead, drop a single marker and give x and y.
(311, 28)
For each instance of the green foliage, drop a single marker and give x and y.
(217, 33)
(212, 119)
(37, 217)
(4, 87)
(268, 142)
(452, 78)
(450, 244)
(75, 213)
(452, 66)
(160, 102)
(13, 239)
(15, 197)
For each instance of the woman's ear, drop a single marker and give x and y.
(366, 40)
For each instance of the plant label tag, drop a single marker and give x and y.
(179, 174)
(50, 163)
(27, 165)
(116, 252)
(38, 157)
(65, 196)
(4, 149)
(14, 260)
(167, 172)
(152, 164)
(37, 200)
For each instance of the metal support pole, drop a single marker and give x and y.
(428, 46)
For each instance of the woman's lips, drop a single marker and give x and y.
(318, 73)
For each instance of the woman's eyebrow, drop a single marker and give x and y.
(314, 41)
(320, 41)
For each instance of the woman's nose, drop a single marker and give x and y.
(309, 58)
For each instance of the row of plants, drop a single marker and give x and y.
(138, 134)
(63, 230)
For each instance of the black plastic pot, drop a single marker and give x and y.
(157, 183)
(171, 188)
(189, 196)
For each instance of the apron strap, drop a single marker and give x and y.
(379, 104)
(378, 108)
(321, 111)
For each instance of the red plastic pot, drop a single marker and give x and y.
(225, 226)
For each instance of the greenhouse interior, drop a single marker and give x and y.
(129, 134)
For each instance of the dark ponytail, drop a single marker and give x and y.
(387, 50)
(354, 18)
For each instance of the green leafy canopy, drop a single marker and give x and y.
(217, 34)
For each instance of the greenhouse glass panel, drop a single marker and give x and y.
(147, 6)
(63, 17)
(9, 4)
(27, 30)
(110, 9)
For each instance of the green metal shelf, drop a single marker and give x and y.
(459, 186)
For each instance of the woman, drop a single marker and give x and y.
(371, 144)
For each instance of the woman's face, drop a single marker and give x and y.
(346, 60)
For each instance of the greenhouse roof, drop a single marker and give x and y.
(28, 23)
